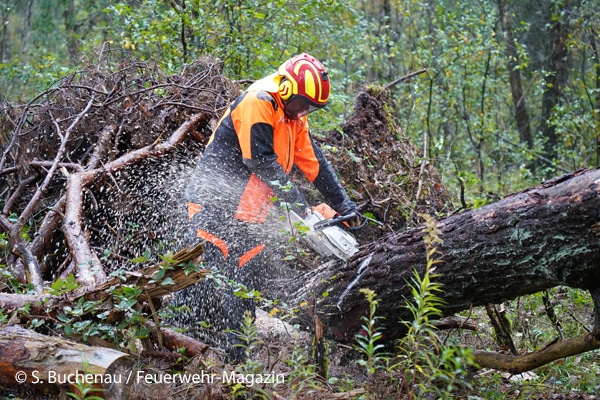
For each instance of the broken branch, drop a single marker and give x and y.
(527, 362)
(404, 78)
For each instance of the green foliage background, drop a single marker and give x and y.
(460, 112)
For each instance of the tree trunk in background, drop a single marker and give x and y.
(557, 72)
(596, 58)
(516, 87)
(27, 26)
(527, 242)
(597, 103)
(71, 31)
(4, 40)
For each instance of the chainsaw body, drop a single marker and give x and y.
(330, 240)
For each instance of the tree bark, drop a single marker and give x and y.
(175, 341)
(540, 238)
(596, 102)
(27, 357)
(557, 67)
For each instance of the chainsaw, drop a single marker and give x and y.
(325, 234)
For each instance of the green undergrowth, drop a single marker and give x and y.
(424, 364)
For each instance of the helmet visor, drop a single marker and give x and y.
(297, 107)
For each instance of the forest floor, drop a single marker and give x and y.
(284, 350)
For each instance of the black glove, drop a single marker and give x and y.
(347, 208)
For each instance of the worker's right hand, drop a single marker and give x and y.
(348, 208)
(356, 221)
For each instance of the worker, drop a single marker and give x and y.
(241, 186)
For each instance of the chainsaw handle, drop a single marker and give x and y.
(334, 221)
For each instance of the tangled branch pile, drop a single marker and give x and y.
(92, 167)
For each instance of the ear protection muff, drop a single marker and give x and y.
(285, 89)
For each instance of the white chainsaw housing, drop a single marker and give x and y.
(330, 241)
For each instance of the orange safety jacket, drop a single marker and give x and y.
(253, 146)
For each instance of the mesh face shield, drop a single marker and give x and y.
(298, 106)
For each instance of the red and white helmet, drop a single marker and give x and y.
(304, 85)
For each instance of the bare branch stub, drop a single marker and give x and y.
(405, 78)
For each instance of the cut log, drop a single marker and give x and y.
(27, 357)
(455, 322)
(537, 239)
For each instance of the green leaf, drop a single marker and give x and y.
(63, 318)
(140, 259)
(159, 274)
(167, 281)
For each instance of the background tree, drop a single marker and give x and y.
(516, 86)
(469, 114)
(464, 113)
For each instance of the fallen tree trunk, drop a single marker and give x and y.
(537, 239)
(27, 357)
